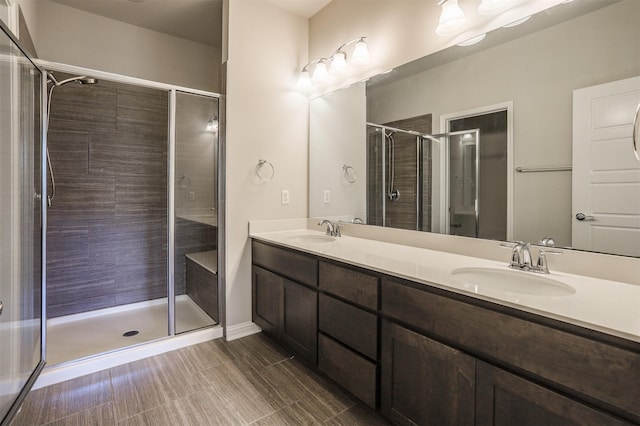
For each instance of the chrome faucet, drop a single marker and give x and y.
(521, 258)
(333, 229)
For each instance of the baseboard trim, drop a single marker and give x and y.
(244, 329)
(62, 372)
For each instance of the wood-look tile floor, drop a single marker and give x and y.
(245, 381)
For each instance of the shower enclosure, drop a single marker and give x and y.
(398, 177)
(408, 185)
(132, 220)
(109, 215)
(21, 224)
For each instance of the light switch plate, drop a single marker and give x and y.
(285, 196)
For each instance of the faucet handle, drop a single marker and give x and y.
(542, 265)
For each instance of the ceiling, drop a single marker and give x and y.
(195, 20)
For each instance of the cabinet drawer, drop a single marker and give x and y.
(355, 286)
(588, 367)
(350, 325)
(297, 266)
(353, 372)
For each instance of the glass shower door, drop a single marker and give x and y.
(463, 182)
(21, 309)
(195, 211)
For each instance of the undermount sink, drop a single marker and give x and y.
(510, 281)
(310, 239)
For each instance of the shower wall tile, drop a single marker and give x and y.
(67, 246)
(127, 154)
(141, 196)
(82, 197)
(141, 113)
(79, 289)
(69, 151)
(107, 233)
(102, 240)
(139, 282)
(83, 108)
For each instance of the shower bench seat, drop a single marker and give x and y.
(202, 280)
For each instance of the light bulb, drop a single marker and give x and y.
(320, 72)
(492, 7)
(212, 125)
(304, 81)
(338, 62)
(451, 19)
(360, 53)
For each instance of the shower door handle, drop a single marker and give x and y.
(1, 307)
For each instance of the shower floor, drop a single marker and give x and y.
(82, 335)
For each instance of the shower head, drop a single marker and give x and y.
(87, 80)
(81, 79)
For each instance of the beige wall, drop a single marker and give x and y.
(398, 31)
(71, 36)
(338, 137)
(535, 70)
(266, 119)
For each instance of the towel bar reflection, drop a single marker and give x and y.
(521, 169)
(265, 170)
(349, 173)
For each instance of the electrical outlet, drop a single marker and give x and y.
(326, 198)
(285, 196)
(192, 195)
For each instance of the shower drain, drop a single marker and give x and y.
(130, 333)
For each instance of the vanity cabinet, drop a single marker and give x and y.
(348, 326)
(425, 355)
(506, 399)
(285, 309)
(423, 381)
(555, 369)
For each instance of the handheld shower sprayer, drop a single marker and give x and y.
(51, 78)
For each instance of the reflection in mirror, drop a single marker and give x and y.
(567, 85)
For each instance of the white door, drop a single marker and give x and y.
(606, 174)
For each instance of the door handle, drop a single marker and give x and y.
(1, 307)
(636, 134)
(582, 216)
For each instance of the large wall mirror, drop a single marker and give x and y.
(525, 135)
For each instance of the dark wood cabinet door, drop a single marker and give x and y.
(503, 398)
(267, 300)
(351, 370)
(300, 320)
(423, 381)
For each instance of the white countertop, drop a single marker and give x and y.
(608, 306)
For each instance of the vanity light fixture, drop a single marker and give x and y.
(518, 22)
(360, 52)
(492, 7)
(317, 71)
(320, 73)
(451, 19)
(212, 125)
(473, 40)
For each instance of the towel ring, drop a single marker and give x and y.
(349, 173)
(184, 181)
(265, 173)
